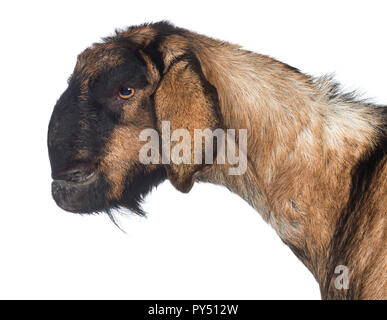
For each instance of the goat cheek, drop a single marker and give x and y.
(115, 107)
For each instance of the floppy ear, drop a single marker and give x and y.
(188, 101)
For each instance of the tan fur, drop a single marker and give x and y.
(173, 47)
(302, 146)
(182, 90)
(140, 35)
(98, 58)
(123, 146)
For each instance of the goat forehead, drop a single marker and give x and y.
(100, 58)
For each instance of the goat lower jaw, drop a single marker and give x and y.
(69, 195)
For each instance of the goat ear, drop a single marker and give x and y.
(188, 101)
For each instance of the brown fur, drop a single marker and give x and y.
(182, 89)
(304, 145)
(119, 156)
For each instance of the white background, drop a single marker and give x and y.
(208, 244)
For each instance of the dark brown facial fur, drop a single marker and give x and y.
(92, 128)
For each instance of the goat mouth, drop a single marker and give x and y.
(76, 189)
(79, 173)
(79, 178)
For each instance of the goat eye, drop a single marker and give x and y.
(126, 93)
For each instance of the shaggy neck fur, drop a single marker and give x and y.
(304, 143)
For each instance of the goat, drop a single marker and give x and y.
(316, 157)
